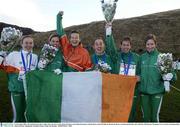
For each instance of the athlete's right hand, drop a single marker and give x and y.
(61, 13)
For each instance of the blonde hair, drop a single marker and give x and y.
(151, 36)
(52, 36)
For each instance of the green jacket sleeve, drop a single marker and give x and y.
(138, 68)
(111, 49)
(59, 30)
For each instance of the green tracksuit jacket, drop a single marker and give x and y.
(151, 79)
(119, 58)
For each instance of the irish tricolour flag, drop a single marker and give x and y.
(78, 97)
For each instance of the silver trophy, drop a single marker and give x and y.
(109, 9)
(10, 37)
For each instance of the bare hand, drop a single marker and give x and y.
(108, 25)
(138, 78)
(61, 13)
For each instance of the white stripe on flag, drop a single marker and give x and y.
(81, 101)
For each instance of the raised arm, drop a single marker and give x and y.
(60, 30)
(64, 42)
(111, 49)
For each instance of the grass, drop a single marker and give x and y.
(171, 105)
(170, 110)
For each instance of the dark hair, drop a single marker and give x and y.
(98, 38)
(53, 35)
(74, 31)
(126, 39)
(151, 36)
(25, 36)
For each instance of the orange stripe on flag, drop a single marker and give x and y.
(11, 69)
(117, 97)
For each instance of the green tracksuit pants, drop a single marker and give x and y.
(18, 106)
(151, 105)
(132, 115)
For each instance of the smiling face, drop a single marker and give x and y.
(74, 39)
(99, 46)
(55, 42)
(150, 45)
(125, 46)
(27, 44)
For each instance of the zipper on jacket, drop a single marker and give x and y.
(149, 58)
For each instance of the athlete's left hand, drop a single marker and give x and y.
(138, 78)
(57, 71)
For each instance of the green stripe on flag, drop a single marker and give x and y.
(44, 96)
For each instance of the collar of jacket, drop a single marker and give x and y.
(26, 52)
(155, 51)
(100, 54)
(125, 54)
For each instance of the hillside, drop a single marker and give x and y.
(164, 25)
(25, 30)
